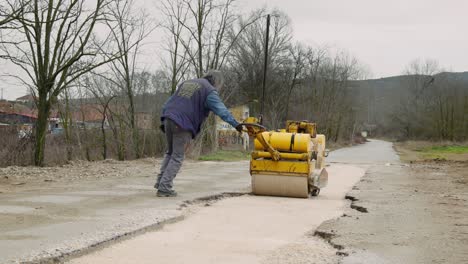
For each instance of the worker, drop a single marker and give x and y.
(182, 117)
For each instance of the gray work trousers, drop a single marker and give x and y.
(177, 139)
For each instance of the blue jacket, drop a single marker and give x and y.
(191, 104)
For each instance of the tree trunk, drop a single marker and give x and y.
(136, 142)
(87, 150)
(104, 142)
(85, 130)
(135, 137)
(174, 69)
(121, 141)
(41, 129)
(66, 126)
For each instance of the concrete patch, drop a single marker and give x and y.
(105, 193)
(57, 199)
(135, 187)
(244, 229)
(11, 209)
(18, 237)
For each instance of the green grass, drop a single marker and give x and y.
(446, 149)
(425, 150)
(225, 155)
(442, 152)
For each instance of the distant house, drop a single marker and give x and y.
(14, 118)
(25, 99)
(228, 137)
(90, 115)
(83, 116)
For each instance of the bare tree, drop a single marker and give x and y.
(128, 29)
(175, 13)
(207, 30)
(297, 66)
(203, 33)
(419, 78)
(249, 50)
(64, 109)
(105, 94)
(54, 45)
(81, 127)
(9, 12)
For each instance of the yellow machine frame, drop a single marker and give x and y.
(289, 162)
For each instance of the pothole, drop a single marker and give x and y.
(208, 200)
(351, 198)
(327, 236)
(359, 208)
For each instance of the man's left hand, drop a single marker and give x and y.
(239, 128)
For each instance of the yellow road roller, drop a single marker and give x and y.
(288, 162)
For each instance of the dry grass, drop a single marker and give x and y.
(15, 151)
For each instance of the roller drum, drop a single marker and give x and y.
(280, 185)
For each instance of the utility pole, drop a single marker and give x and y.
(265, 68)
(2, 93)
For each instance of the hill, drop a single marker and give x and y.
(385, 102)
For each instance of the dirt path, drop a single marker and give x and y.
(247, 229)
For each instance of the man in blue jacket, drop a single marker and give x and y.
(182, 117)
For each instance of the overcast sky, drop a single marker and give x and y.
(385, 35)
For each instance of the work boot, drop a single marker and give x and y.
(170, 193)
(158, 177)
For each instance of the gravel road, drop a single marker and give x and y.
(404, 213)
(253, 229)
